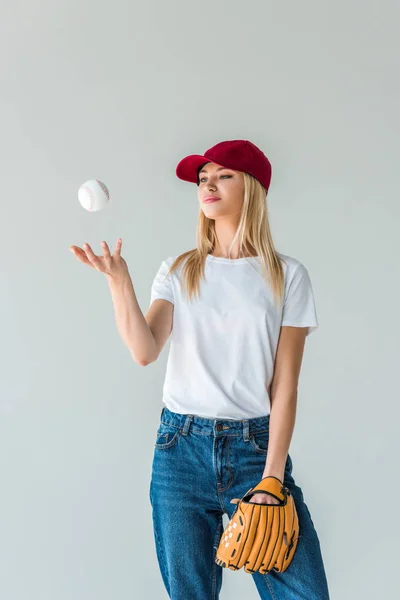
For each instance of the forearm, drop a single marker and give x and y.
(281, 425)
(131, 324)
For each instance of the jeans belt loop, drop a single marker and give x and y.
(246, 436)
(186, 426)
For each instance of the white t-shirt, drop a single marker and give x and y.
(223, 343)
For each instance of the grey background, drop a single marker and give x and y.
(121, 91)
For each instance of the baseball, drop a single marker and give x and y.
(93, 195)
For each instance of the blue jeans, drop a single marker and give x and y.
(198, 466)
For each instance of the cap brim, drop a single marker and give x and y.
(187, 168)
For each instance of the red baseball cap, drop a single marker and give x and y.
(240, 155)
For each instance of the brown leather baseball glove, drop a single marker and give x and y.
(260, 537)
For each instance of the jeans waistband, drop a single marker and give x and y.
(215, 427)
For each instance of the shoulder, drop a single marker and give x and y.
(290, 265)
(296, 275)
(169, 260)
(167, 263)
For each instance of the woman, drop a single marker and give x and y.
(238, 313)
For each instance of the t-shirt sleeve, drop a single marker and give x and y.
(299, 304)
(162, 285)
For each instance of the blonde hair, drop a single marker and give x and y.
(253, 232)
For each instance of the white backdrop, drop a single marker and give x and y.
(122, 91)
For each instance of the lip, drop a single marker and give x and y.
(211, 198)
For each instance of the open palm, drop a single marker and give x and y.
(112, 265)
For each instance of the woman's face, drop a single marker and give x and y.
(226, 184)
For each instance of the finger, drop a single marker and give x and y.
(118, 247)
(90, 254)
(106, 250)
(80, 255)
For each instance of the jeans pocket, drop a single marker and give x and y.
(259, 441)
(167, 435)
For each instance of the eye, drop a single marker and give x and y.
(229, 176)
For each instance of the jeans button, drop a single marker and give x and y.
(219, 426)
